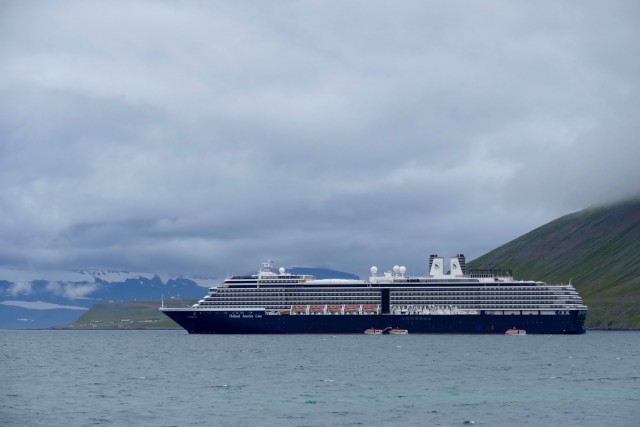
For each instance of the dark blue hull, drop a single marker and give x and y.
(257, 322)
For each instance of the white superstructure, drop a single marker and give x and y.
(454, 292)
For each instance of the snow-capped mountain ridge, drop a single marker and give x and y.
(40, 299)
(93, 276)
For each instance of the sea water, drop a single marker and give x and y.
(170, 378)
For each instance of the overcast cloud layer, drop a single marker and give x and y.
(205, 137)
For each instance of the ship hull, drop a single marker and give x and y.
(259, 322)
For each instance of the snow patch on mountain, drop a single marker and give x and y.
(22, 279)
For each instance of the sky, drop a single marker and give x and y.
(202, 138)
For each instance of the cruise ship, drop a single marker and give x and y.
(477, 302)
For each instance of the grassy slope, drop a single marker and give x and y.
(126, 315)
(597, 249)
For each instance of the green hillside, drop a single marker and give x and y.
(597, 249)
(127, 315)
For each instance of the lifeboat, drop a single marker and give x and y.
(317, 307)
(334, 308)
(373, 331)
(352, 308)
(397, 331)
(371, 307)
(299, 308)
(514, 331)
(285, 312)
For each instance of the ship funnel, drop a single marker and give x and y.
(458, 265)
(436, 265)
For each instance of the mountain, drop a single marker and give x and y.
(35, 300)
(596, 249)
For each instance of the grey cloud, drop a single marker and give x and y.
(205, 137)
(71, 290)
(20, 288)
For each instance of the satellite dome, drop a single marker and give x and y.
(281, 270)
(403, 269)
(374, 269)
(396, 269)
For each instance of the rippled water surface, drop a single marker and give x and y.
(169, 378)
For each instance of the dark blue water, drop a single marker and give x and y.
(168, 378)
